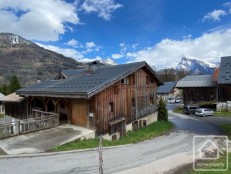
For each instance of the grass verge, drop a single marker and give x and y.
(227, 129)
(153, 130)
(223, 114)
(178, 110)
(188, 169)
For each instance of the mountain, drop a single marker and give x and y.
(194, 66)
(108, 61)
(28, 61)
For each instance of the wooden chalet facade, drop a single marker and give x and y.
(216, 87)
(224, 80)
(197, 89)
(101, 98)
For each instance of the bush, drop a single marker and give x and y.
(162, 111)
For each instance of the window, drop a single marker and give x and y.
(133, 102)
(125, 80)
(133, 80)
(147, 80)
(111, 107)
(151, 100)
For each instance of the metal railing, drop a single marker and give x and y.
(42, 120)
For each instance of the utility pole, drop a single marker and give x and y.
(100, 156)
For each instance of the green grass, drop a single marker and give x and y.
(189, 170)
(1, 115)
(153, 130)
(227, 129)
(179, 110)
(223, 113)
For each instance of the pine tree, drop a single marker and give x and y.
(14, 85)
(162, 111)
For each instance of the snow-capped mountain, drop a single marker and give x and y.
(108, 61)
(9, 39)
(195, 66)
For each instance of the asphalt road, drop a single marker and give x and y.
(117, 159)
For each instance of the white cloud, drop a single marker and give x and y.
(167, 53)
(103, 8)
(117, 56)
(228, 4)
(64, 51)
(41, 20)
(74, 43)
(214, 15)
(90, 44)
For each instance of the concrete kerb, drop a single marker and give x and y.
(67, 152)
(58, 153)
(71, 151)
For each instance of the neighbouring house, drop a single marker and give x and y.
(2, 107)
(223, 77)
(15, 106)
(197, 89)
(167, 90)
(103, 98)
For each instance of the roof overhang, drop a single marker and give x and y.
(12, 98)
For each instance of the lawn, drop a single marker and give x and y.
(153, 130)
(188, 169)
(227, 129)
(223, 113)
(179, 110)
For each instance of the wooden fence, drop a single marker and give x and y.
(37, 121)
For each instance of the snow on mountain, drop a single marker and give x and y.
(9, 39)
(108, 61)
(195, 66)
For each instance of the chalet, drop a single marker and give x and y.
(15, 106)
(223, 80)
(167, 90)
(197, 88)
(105, 98)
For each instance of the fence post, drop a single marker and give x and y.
(100, 156)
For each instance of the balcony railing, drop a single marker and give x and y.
(37, 121)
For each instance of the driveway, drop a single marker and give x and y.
(157, 155)
(43, 140)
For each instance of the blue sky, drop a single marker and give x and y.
(157, 31)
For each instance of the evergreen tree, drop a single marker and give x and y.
(4, 89)
(14, 85)
(162, 111)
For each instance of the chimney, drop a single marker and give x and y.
(38, 81)
(92, 67)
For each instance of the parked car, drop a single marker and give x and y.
(171, 100)
(178, 100)
(204, 112)
(190, 109)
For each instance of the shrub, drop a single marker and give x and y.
(162, 111)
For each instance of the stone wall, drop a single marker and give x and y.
(144, 121)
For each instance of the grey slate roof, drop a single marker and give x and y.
(196, 81)
(225, 71)
(166, 88)
(84, 83)
(69, 73)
